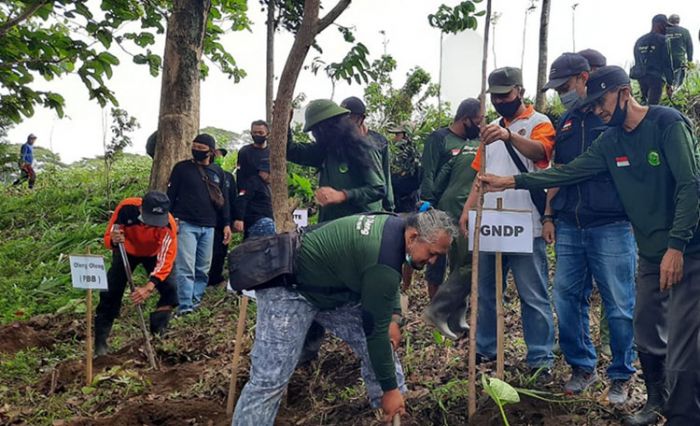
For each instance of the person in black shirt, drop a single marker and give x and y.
(652, 62)
(253, 208)
(220, 249)
(192, 188)
(249, 156)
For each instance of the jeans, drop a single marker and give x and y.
(262, 227)
(530, 273)
(194, 251)
(283, 318)
(608, 255)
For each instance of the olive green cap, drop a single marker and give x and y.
(319, 110)
(502, 80)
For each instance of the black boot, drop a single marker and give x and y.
(654, 376)
(159, 322)
(102, 330)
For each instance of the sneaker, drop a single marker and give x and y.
(580, 381)
(618, 392)
(541, 376)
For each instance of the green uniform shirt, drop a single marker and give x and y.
(455, 179)
(365, 187)
(655, 170)
(360, 258)
(440, 147)
(681, 45)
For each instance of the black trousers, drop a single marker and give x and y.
(111, 300)
(218, 257)
(667, 324)
(651, 88)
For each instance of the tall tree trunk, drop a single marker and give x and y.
(270, 60)
(540, 99)
(178, 120)
(311, 25)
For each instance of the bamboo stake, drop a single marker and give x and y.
(477, 226)
(396, 421)
(500, 320)
(88, 338)
(242, 314)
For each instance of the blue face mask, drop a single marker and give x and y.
(570, 99)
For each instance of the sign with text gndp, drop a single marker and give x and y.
(502, 231)
(88, 272)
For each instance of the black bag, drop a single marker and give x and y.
(215, 194)
(261, 262)
(638, 71)
(538, 196)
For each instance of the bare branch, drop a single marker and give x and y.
(331, 16)
(28, 12)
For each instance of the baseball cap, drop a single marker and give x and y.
(660, 19)
(355, 105)
(206, 139)
(154, 209)
(604, 80)
(565, 66)
(222, 151)
(502, 80)
(595, 59)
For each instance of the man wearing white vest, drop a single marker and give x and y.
(521, 140)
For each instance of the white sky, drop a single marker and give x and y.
(610, 26)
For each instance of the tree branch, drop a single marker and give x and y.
(331, 16)
(26, 14)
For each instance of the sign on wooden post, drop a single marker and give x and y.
(301, 217)
(505, 231)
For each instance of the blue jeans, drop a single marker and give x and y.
(262, 227)
(194, 251)
(608, 255)
(283, 317)
(530, 273)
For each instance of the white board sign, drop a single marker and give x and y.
(88, 272)
(502, 231)
(301, 217)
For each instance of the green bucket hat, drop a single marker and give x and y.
(319, 110)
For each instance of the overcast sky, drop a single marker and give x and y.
(610, 26)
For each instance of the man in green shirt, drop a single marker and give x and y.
(448, 309)
(652, 156)
(681, 48)
(439, 148)
(348, 272)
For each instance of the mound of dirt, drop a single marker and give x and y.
(40, 332)
(155, 413)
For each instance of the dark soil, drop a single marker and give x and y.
(170, 413)
(39, 332)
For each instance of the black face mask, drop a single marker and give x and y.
(259, 140)
(199, 155)
(508, 109)
(471, 132)
(619, 115)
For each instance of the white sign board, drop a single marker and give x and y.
(88, 272)
(301, 217)
(502, 231)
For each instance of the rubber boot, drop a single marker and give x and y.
(448, 308)
(159, 322)
(653, 368)
(102, 330)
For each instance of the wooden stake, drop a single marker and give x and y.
(242, 314)
(88, 339)
(474, 302)
(500, 356)
(396, 421)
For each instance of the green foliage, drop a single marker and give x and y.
(122, 125)
(50, 39)
(455, 19)
(501, 392)
(66, 213)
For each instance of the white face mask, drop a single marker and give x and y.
(570, 99)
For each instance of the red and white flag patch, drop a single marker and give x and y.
(622, 161)
(567, 125)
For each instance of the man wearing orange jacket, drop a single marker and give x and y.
(149, 235)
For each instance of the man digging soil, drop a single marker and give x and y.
(149, 235)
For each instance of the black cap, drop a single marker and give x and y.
(154, 209)
(222, 151)
(565, 66)
(660, 19)
(264, 165)
(355, 105)
(206, 139)
(502, 80)
(595, 59)
(604, 80)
